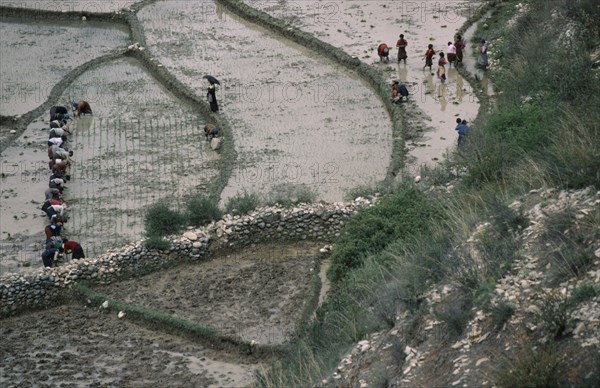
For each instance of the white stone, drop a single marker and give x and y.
(121, 314)
(579, 328)
(481, 361)
(197, 244)
(105, 304)
(418, 179)
(83, 18)
(191, 236)
(12, 131)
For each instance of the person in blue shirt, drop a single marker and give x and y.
(462, 128)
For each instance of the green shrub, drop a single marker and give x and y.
(157, 242)
(202, 210)
(525, 127)
(399, 217)
(161, 221)
(242, 203)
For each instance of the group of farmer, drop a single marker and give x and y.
(55, 206)
(453, 55)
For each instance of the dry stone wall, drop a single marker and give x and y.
(46, 287)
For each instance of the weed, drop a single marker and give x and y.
(160, 220)
(455, 312)
(501, 313)
(242, 203)
(554, 314)
(583, 293)
(201, 210)
(288, 195)
(530, 367)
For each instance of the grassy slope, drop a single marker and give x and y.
(545, 133)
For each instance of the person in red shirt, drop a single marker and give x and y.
(401, 44)
(73, 247)
(384, 52)
(429, 57)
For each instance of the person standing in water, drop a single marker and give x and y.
(441, 70)
(459, 43)
(451, 53)
(429, 57)
(211, 95)
(483, 56)
(401, 44)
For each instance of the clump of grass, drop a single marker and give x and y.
(201, 210)
(242, 203)
(454, 312)
(583, 293)
(501, 313)
(530, 367)
(287, 194)
(160, 220)
(554, 316)
(568, 244)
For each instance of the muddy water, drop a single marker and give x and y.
(35, 56)
(139, 147)
(82, 346)
(296, 119)
(359, 26)
(91, 6)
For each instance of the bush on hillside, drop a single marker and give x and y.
(202, 210)
(242, 203)
(398, 217)
(161, 221)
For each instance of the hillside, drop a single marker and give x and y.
(486, 271)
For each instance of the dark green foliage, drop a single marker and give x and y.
(202, 210)
(161, 221)
(397, 218)
(242, 203)
(525, 127)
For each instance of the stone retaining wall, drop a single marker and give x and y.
(321, 222)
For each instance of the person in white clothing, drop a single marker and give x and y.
(451, 53)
